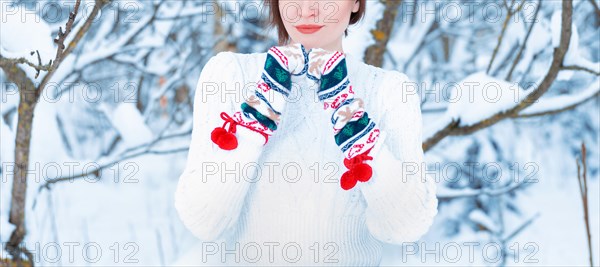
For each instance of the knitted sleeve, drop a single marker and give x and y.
(401, 199)
(210, 192)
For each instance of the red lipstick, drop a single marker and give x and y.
(308, 28)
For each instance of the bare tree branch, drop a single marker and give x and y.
(596, 8)
(558, 110)
(520, 54)
(521, 228)
(583, 190)
(509, 15)
(38, 67)
(461, 193)
(381, 34)
(581, 69)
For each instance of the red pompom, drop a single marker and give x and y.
(362, 172)
(348, 163)
(216, 133)
(227, 141)
(348, 181)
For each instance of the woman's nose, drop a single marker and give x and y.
(310, 9)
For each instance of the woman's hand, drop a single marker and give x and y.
(318, 57)
(354, 132)
(294, 54)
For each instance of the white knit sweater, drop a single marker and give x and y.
(291, 209)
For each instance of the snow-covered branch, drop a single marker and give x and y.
(455, 128)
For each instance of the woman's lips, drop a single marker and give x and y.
(308, 28)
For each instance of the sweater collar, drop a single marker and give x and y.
(353, 64)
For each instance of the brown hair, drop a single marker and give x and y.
(275, 19)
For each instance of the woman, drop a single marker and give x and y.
(280, 188)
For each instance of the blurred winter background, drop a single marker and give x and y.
(509, 89)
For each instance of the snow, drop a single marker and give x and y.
(10, 97)
(479, 96)
(557, 235)
(545, 104)
(7, 152)
(404, 42)
(483, 219)
(540, 36)
(573, 56)
(129, 122)
(22, 33)
(125, 214)
(559, 232)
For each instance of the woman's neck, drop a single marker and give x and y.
(337, 47)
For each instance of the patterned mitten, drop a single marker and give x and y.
(354, 132)
(257, 113)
